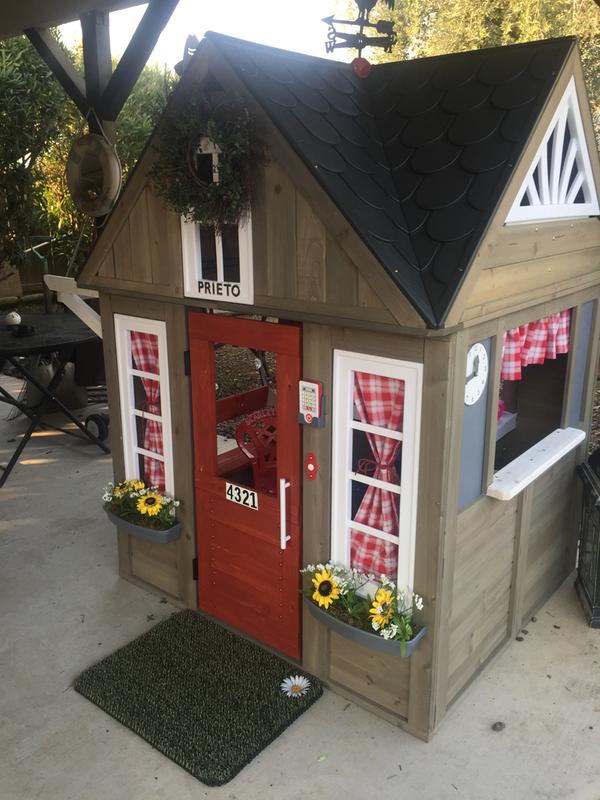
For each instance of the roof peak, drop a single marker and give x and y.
(418, 155)
(247, 43)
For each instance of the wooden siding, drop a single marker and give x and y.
(301, 271)
(398, 689)
(298, 265)
(145, 254)
(383, 679)
(436, 431)
(514, 285)
(317, 362)
(552, 533)
(502, 560)
(509, 558)
(483, 564)
(166, 569)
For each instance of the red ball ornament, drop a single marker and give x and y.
(361, 67)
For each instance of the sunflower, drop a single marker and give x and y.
(326, 589)
(134, 485)
(382, 609)
(150, 504)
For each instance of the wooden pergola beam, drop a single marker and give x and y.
(60, 65)
(135, 57)
(97, 64)
(17, 15)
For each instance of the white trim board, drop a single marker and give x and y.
(220, 290)
(70, 295)
(560, 171)
(516, 476)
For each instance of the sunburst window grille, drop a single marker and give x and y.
(560, 182)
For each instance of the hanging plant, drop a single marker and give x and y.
(228, 126)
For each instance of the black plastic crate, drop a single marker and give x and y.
(588, 569)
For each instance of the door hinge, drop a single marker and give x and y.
(186, 363)
(195, 569)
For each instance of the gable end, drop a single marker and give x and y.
(559, 183)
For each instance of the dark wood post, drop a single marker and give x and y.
(97, 64)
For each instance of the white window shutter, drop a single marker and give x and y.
(560, 182)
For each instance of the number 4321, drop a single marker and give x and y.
(245, 497)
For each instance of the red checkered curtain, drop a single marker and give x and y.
(533, 343)
(378, 401)
(144, 352)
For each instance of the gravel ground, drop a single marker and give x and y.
(236, 371)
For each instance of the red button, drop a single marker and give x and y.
(309, 418)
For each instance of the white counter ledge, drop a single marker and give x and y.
(514, 477)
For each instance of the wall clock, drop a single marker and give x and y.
(477, 373)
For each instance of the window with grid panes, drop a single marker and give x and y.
(376, 420)
(141, 346)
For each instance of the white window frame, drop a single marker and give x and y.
(511, 479)
(242, 292)
(552, 201)
(344, 365)
(131, 450)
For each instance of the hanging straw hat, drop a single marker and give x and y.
(93, 175)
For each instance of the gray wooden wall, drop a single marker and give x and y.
(502, 560)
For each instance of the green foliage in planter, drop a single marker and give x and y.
(372, 604)
(226, 123)
(133, 501)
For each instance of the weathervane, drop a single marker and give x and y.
(358, 39)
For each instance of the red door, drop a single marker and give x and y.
(247, 475)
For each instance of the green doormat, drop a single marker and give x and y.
(206, 698)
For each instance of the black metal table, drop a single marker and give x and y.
(53, 333)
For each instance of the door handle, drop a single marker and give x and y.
(283, 537)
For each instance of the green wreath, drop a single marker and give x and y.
(228, 124)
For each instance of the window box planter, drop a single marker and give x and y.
(370, 640)
(141, 532)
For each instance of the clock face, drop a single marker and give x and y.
(477, 373)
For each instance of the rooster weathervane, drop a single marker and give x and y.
(358, 40)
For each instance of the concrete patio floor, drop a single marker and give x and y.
(63, 607)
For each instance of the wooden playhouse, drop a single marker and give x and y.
(423, 247)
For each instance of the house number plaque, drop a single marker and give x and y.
(244, 497)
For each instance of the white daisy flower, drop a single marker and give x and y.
(295, 686)
(390, 632)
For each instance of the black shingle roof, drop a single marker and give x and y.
(417, 155)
